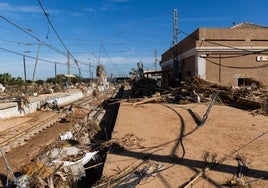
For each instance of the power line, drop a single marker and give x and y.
(48, 19)
(31, 35)
(31, 57)
(237, 67)
(98, 37)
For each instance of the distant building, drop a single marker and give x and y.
(153, 74)
(224, 55)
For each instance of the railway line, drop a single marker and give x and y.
(18, 134)
(35, 133)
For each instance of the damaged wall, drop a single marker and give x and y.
(227, 54)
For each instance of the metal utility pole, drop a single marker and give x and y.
(10, 173)
(220, 69)
(55, 68)
(175, 49)
(79, 71)
(68, 62)
(155, 59)
(205, 116)
(25, 76)
(89, 70)
(175, 27)
(36, 60)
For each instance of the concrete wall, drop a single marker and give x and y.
(222, 54)
(227, 70)
(12, 109)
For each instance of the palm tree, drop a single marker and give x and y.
(5, 78)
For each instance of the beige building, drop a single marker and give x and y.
(228, 56)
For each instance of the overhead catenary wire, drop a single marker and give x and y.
(99, 39)
(30, 44)
(61, 41)
(31, 57)
(48, 19)
(31, 35)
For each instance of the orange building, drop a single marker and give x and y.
(227, 56)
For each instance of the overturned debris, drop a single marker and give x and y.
(65, 162)
(143, 87)
(195, 89)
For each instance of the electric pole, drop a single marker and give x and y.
(55, 69)
(155, 59)
(68, 62)
(25, 75)
(175, 47)
(175, 27)
(89, 70)
(36, 60)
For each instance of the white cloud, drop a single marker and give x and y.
(7, 7)
(120, 1)
(90, 10)
(76, 14)
(11, 8)
(112, 5)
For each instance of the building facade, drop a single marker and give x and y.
(227, 56)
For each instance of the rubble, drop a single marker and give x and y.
(65, 163)
(68, 161)
(2, 88)
(253, 98)
(133, 175)
(143, 87)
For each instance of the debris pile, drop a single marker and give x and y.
(65, 162)
(246, 97)
(143, 87)
(195, 89)
(137, 173)
(19, 94)
(129, 141)
(76, 158)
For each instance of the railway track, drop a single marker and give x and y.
(18, 135)
(101, 112)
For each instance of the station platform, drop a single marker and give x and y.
(11, 109)
(161, 145)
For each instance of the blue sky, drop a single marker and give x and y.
(115, 33)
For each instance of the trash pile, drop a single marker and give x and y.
(75, 159)
(65, 162)
(138, 173)
(253, 97)
(17, 93)
(143, 87)
(195, 89)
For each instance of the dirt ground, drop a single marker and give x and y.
(168, 137)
